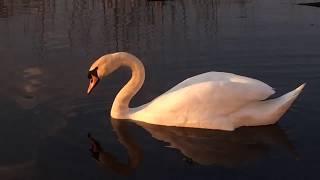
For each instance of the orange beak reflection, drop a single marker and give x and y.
(93, 82)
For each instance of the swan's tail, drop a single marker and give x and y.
(266, 112)
(291, 96)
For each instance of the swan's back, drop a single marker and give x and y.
(209, 94)
(260, 89)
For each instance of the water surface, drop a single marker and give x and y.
(46, 47)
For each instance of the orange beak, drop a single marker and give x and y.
(93, 82)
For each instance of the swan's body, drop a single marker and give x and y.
(212, 100)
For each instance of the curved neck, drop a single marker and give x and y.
(120, 106)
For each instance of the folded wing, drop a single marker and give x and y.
(217, 93)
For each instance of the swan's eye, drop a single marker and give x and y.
(91, 80)
(93, 73)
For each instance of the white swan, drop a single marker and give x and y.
(212, 100)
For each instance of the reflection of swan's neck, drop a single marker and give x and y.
(108, 160)
(120, 107)
(126, 139)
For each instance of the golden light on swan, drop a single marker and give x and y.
(212, 100)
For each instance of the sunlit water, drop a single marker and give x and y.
(46, 47)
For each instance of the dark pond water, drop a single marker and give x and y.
(46, 47)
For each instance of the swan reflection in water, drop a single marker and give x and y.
(202, 146)
(108, 161)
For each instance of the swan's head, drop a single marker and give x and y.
(102, 67)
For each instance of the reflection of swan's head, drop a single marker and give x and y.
(102, 67)
(96, 148)
(108, 161)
